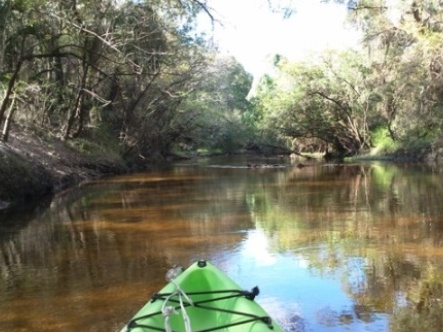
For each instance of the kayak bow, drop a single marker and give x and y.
(202, 299)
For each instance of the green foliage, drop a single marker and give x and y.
(339, 97)
(140, 69)
(382, 142)
(405, 57)
(219, 107)
(318, 100)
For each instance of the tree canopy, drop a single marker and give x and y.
(140, 76)
(136, 72)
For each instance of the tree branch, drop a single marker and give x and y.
(336, 102)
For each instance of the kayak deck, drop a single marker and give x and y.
(202, 299)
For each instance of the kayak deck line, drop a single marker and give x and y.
(234, 293)
(206, 308)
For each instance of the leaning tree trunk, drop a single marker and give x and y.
(7, 125)
(6, 99)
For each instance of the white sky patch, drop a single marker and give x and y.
(256, 246)
(252, 33)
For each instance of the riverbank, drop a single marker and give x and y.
(33, 166)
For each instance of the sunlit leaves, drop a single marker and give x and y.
(395, 84)
(404, 47)
(324, 100)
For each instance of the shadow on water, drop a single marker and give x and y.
(13, 219)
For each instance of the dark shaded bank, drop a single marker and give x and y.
(33, 168)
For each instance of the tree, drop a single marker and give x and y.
(219, 105)
(101, 65)
(328, 101)
(394, 85)
(404, 43)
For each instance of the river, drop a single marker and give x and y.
(350, 247)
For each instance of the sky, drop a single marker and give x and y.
(251, 32)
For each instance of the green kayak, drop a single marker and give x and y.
(202, 299)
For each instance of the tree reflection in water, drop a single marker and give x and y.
(331, 247)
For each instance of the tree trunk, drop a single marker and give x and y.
(72, 114)
(9, 92)
(77, 108)
(80, 115)
(7, 125)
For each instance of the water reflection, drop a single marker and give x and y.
(332, 247)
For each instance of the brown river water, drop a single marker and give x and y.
(351, 247)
